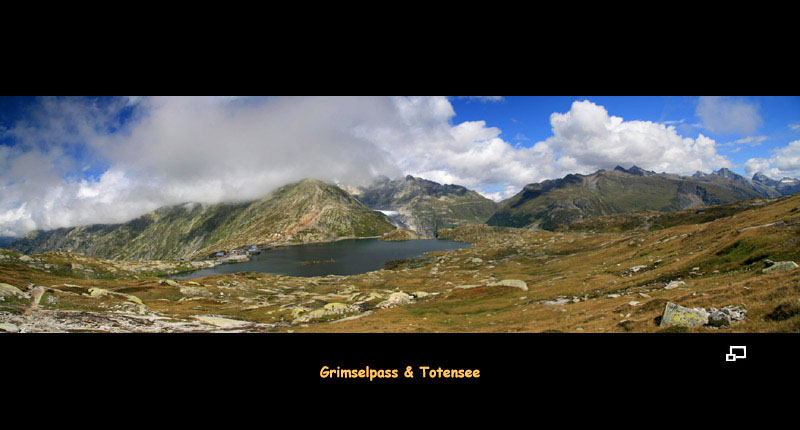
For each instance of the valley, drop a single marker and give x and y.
(612, 273)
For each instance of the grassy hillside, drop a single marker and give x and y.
(306, 211)
(510, 280)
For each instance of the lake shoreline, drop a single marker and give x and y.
(225, 260)
(364, 254)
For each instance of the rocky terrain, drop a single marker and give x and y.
(734, 271)
(557, 203)
(400, 234)
(306, 211)
(426, 206)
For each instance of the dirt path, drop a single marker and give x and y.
(36, 296)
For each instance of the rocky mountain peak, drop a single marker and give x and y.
(726, 173)
(760, 177)
(425, 206)
(634, 170)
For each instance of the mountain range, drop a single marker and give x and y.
(315, 211)
(559, 202)
(305, 211)
(426, 206)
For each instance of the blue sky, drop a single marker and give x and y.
(67, 161)
(526, 120)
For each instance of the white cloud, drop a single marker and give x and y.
(501, 194)
(469, 154)
(213, 149)
(785, 162)
(749, 141)
(177, 150)
(794, 126)
(787, 159)
(752, 140)
(728, 115)
(586, 139)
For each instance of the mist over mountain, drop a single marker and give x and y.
(315, 211)
(80, 161)
(302, 212)
(403, 214)
(308, 211)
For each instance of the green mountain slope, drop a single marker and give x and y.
(426, 206)
(306, 211)
(554, 203)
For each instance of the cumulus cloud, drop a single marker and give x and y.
(177, 150)
(785, 162)
(470, 153)
(728, 115)
(78, 162)
(587, 138)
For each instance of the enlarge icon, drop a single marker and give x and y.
(736, 353)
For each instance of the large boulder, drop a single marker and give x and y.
(516, 283)
(97, 292)
(196, 292)
(674, 284)
(676, 315)
(223, 323)
(636, 269)
(10, 290)
(9, 328)
(334, 308)
(394, 299)
(719, 319)
(780, 266)
(725, 316)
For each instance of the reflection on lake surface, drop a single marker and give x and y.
(345, 257)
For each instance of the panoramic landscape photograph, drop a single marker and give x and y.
(406, 214)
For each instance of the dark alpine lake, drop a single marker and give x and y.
(345, 257)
